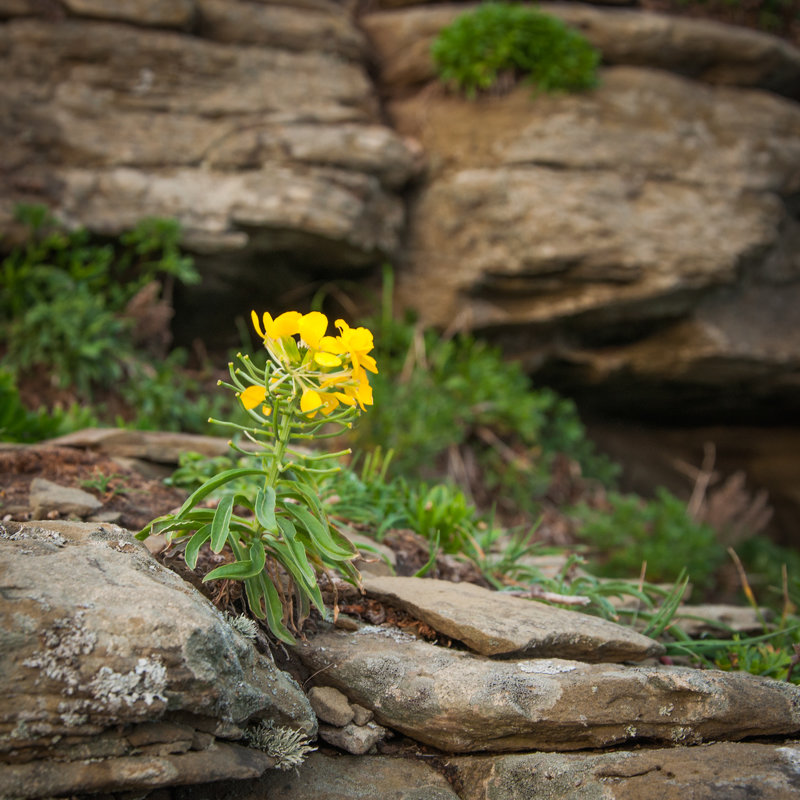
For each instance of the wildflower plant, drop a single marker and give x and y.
(313, 386)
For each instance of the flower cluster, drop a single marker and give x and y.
(326, 371)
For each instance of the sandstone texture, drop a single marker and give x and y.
(252, 123)
(495, 625)
(460, 702)
(702, 773)
(106, 655)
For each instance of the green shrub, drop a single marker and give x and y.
(434, 397)
(659, 531)
(18, 424)
(501, 38)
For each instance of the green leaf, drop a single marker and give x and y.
(195, 543)
(257, 554)
(320, 533)
(265, 509)
(214, 483)
(221, 523)
(240, 570)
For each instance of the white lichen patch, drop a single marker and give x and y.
(242, 625)
(33, 533)
(545, 666)
(146, 682)
(390, 633)
(665, 711)
(792, 755)
(65, 641)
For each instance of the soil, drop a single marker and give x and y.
(121, 485)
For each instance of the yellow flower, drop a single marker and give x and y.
(286, 324)
(357, 342)
(252, 396)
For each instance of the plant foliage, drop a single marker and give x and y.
(497, 39)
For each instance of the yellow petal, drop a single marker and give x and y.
(310, 402)
(368, 362)
(286, 324)
(312, 328)
(331, 344)
(252, 396)
(327, 359)
(257, 323)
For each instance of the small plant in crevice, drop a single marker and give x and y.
(275, 526)
(498, 41)
(289, 747)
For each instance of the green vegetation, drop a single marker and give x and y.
(497, 40)
(68, 310)
(627, 531)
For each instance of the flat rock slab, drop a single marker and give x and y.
(343, 778)
(733, 771)
(460, 702)
(494, 624)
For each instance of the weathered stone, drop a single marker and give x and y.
(49, 778)
(709, 772)
(87, 651)
(158, 13)
(330, 705)
(252, 148)
(703, 49)
(355, 739)
(361, 715)
(162, 447)
(319, 27)
(460, 702)
(494, 624)
(322, 777)
(698, 620)
(46, 496)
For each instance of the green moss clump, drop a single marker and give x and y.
(501, 38)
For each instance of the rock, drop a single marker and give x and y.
(361, 715)
(161, 447)
(765, 771)
(618, 240)
(267, 140)
(341, 778)
(703, 49)
(46, 497)
(719, 618)
(355, 739)
(460, 702)
(92, 666)
(330, 705)
(38, 779)
(494, 624)
(158, 13)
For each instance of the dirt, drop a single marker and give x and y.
(121, 485)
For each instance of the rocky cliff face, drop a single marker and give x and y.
(637, 243)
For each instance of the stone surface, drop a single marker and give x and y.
(335, 778)
(99, 642)
(460, 702)
(38, 779)
(616, 240)
(46, 497)
(267, 143)
(158, 13)
(492, 624)
(733, 771)
(330, 705)
(703, 49)
(355, 739)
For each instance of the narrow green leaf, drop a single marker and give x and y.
(240, 570)
(265, 509)
(221, 523)
(274, 610)
(257, 554)
(319, 533)
(214, 483)
(194, 544)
